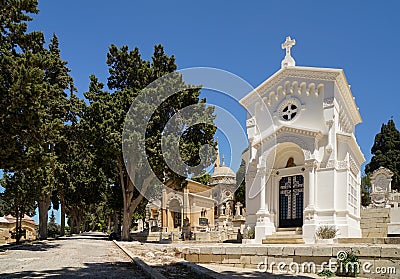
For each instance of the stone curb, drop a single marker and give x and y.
(154, 274)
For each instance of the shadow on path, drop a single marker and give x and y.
(34, 246)
(90, 270)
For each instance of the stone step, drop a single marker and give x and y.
(282, 240)
(288, 231)
(286, 235)
(293, 233)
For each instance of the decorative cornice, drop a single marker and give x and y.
(353, 167)
(326, 74)
(328, 102)
(383, 171)
(291, 130)
(351, 141)
(311, 163)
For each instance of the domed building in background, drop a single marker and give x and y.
(208, 207)
(223, 183)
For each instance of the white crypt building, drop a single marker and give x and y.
(303, 165)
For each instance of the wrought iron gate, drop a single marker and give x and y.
(291, 200)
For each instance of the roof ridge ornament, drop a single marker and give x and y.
(288, 61)
(217, 162)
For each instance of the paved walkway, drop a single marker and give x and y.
(87, 255)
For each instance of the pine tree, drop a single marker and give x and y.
(21, 87)
(240, 193)
(33, 103)
(365, 190)
(18, 197)
(129, 74)
(53, 229)
(386, 152)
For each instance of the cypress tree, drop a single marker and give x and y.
(386, 152)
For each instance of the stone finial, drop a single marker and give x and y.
(217, 163)
(288, 61)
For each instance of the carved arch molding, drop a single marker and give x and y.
(298, 141)
(172, 197)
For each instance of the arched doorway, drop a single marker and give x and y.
(176, 213)
(291, 201)
(289, 185)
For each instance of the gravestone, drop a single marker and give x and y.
(381, 187)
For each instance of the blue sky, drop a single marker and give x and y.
(244, 38)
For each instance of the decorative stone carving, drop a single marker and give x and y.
(303, 145)
(228, 210)
(353, 167)
(328, 102)
(342, 165)
(250, 122)
(222, 210)
(311, 164)
(289, 109)
(288, 61)
(238, 209)
(381, 187)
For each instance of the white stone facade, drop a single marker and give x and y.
(303, 165)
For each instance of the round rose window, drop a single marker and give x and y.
(289, 112)
(289, 109)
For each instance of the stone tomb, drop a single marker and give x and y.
(303, 164)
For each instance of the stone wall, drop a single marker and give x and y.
(212, 236)
(5, 236)
(372, 257)
(374, 222)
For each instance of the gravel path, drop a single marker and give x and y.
(87, 255)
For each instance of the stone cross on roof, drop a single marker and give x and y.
(288, 61)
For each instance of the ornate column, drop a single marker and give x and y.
(264, 226)
(329, 147)
(274, 195)
(311, 166)
(310, 218)
(262, 172)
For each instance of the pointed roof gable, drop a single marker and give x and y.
(325, 74)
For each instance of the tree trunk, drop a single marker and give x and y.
(17, 228)
(73, 224)
(126, 225)
(127, 195)
(44, 203)
(76, 219)
(130, 204)
(109, 224)
(62, 227)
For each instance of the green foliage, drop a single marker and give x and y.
(56, 147)
(326, 232)
(140, 211)
(365, 190)
(240, 193)
(386, 152)
(2, 205)
(203, 179)
(53, 229)
(249, 233)
(18, 198)
(106, 115)
(34, 107)
(349, 267)
(326, 273)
